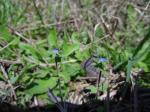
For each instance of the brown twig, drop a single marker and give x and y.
(19, 34)
(87, 78)
(9, 61)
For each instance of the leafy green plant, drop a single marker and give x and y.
(45, 54)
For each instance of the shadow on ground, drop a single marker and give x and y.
(132, 101)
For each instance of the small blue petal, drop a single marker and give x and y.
(55, 51)
(101, 59)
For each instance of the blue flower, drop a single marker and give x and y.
(101, 59)
(55, 51)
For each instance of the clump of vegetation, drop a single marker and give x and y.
(53, 44)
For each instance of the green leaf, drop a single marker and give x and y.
(141, 44)
(75, 38)
(143, 65)
(29, 49)
(14, 79)
(70, 70)
(66, 77)
(52, 38)
(99, 32)
(41, 86)
(4, 34)
(82, 55)
(15, 41)
(102, 88)
(92, 88)
(43, 52)
(120, 65)
(69, 49)
(41, 73)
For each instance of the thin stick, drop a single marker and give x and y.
(98, 82)
(9, 61)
